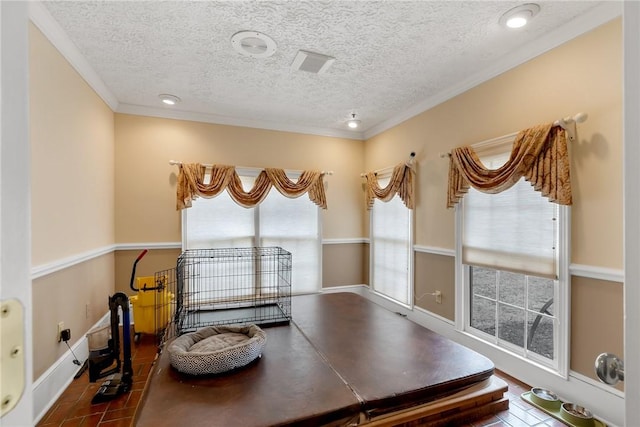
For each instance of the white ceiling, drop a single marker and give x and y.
(394, 59)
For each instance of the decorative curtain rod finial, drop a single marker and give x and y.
(580, 117)
(569, 124)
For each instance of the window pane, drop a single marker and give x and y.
(541, 292)
(218, 223)
(391, 227)
(483, 315)
(483, 281)
(511, 287)
(540, 334)
(292, 224)
(278, 221)
(511, 324)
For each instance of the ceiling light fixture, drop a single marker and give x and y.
(352, 122)
(169, 99)
(253, 44)
(519, 16)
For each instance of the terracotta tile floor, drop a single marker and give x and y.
(74, 407)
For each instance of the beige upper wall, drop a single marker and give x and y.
(583, 75)
(72, 158)
(146, 183)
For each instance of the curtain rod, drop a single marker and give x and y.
(567, 123)
(412, 157)
(176, 162)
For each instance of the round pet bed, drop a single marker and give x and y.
(216, 349)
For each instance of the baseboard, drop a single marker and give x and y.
(356, 289)
(50, 385)
(444, 320)
(346, 241)
(604, 401)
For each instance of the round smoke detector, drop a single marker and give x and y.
(253, 43)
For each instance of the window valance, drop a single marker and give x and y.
(401, 183)
(539, 154)
(192, 175)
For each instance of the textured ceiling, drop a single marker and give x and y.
(391, 56)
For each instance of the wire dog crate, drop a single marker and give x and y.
(229, 286)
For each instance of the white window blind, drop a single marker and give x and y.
(391, 247)
(217, 223)
(293, 224)
(515, 230)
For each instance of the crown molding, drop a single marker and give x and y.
(164, 113)
(581, 25)
(41, 18)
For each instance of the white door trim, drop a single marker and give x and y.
(15, 193)
(631, 90)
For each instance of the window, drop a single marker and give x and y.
(293, 224)
(513, 269)
(391, 241)
(514, 309)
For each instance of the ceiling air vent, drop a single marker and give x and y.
(311, 62)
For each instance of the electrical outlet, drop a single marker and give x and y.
(438, 297)
(60, 329)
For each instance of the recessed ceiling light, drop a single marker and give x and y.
(353, 123)
(519, 16)
(169, 99)
(253, 43)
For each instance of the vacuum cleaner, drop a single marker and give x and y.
(101, 361)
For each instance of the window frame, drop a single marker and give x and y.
(257, 237)
(562, 297)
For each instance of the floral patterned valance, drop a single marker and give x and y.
(191, 185)
(539, 154)
(401, 183)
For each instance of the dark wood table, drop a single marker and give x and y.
(342, 361)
